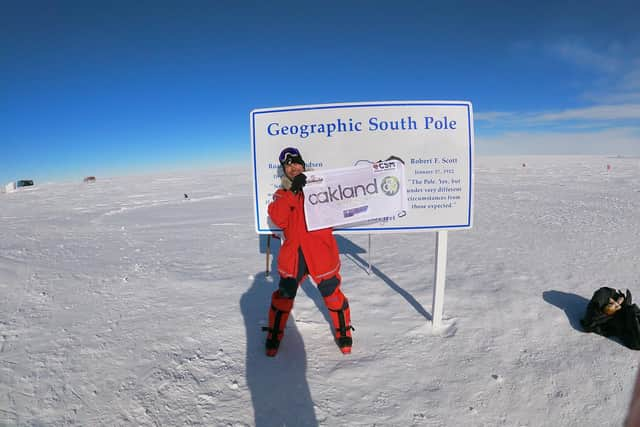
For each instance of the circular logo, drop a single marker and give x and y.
(390, 185)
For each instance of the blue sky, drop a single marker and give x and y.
(112, 88)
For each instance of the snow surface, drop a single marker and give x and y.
(124, 303)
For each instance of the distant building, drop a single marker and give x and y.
(14, 185)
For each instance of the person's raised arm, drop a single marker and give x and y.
(280, 208)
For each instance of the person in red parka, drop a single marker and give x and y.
(303, 253)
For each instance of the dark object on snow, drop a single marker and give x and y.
(610, 313)
(89, 179)
(24, 183)
(186, 196)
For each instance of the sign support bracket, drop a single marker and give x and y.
(369, 256)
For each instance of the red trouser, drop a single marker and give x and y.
(282, 303)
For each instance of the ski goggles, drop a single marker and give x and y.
(290, 155)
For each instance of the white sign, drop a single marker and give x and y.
(367, 193)
(433, 138)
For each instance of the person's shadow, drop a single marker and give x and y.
(573, 305)
(278, 385)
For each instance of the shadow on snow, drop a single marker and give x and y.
(279, 389)
(353, 252)
(573, 305)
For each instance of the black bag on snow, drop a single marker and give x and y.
(611, 313)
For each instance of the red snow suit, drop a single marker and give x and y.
(319, 247)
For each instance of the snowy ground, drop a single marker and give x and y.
(123, 303)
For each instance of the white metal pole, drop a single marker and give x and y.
(439, 278)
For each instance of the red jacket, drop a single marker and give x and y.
(319, 247)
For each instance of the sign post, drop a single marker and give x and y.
(440, 272)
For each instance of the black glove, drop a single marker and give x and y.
(298, 182)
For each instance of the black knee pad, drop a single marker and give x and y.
(288, 287)
(327, 287)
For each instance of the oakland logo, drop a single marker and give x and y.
(390, 185)
(333, 194)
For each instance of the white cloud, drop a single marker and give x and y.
(597, 113)
(610, 125)
(492, 115)
(631, 79)
(622, 141)
(617, 66)
(581, 54)
(621, 88)
(615, 97)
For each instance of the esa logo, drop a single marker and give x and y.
(384, 166)
(390, 185)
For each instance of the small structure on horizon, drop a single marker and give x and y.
(14, 185)
(89, 179)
